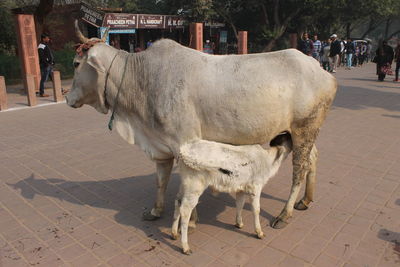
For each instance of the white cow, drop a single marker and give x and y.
(243, 170)
(169, 95)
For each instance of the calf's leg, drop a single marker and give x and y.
(177, 215)
(240, 199)
(164, 169)
(255, 204)
(192, 190)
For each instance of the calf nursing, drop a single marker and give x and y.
(243, 170)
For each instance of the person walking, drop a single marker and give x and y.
(325, 55)
(363, 53)
(306, 45)
(397, 57)
(350, 49)
(383, 59)
(46, 62)
(316, 48)
(334, 53)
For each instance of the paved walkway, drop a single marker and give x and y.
(17, 98)
(72, 193)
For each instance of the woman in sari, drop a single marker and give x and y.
(383, 59)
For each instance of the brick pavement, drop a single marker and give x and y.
(72, 194)
(17, 98)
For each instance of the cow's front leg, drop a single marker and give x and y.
(301, 167)
(164, 169)
(308, 197)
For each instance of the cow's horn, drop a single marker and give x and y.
(105, 35)
(78, 32)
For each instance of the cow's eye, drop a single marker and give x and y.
(76, 64)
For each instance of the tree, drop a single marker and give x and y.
(7, 31)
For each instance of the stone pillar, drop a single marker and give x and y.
(196, 36)
(293, 40)
(27, 47)
(242, 42)
(58, 97)
(29, 83)
(3, 94)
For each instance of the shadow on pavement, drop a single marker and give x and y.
(357, 98)
(129, 196)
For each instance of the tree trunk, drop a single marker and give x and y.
(371, 26)
(270, 45)
(387, 26)
(43, 9)
(348, 32)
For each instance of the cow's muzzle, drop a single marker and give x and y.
(71, 103)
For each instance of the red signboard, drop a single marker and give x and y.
(27, 47)
(151, 22)
(120, 21)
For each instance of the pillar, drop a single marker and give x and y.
(3, 94)
(242, 42)
(196, 36)
(27, 47)
(58, 97)
(293, 40)
(29, 83)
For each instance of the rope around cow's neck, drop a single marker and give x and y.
(110, 122)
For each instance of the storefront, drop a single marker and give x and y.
(133, 32)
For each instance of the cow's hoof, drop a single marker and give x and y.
(239, 225)
(187, 251)
(278, 223)
(300, 205)
(147, 216)
(260, 235)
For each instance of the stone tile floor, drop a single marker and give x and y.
(17, 98)
(72, 193)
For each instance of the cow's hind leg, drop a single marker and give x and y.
(308, 197)
(303, 142)
(164, 169)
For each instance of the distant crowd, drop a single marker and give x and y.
(333, 53)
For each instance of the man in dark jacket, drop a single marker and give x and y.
(306, 45)
(46, 61)
(334, 52)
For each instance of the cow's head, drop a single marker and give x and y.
(91, 63)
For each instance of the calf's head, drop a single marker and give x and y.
(91, 64)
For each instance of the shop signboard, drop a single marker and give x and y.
(120, 21)
(115, 31)
(151, 21)
(90, 15)
(174, 22)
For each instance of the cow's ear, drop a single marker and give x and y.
(93, 60)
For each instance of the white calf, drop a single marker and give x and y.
(225, 168)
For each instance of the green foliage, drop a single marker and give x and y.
(63, 59)
(10, 68)
(7, 31)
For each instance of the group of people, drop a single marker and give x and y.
(326, 53)
(334, 52)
